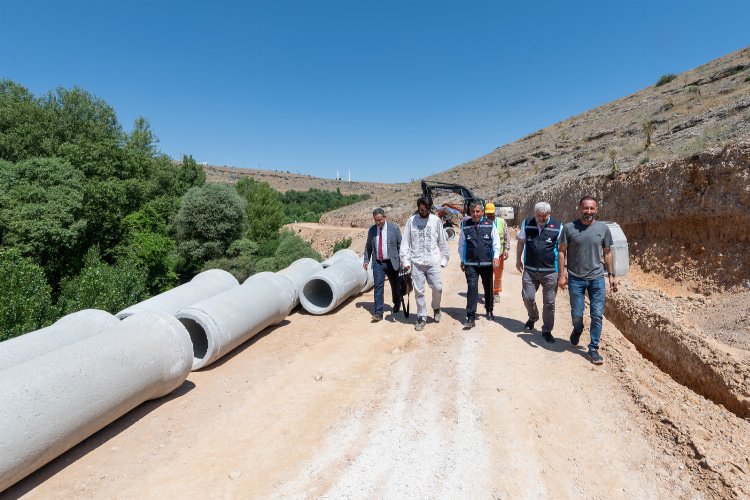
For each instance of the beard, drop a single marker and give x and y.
(587, 217)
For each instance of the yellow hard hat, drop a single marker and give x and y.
(489, 208)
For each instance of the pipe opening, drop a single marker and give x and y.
(318, 293)
(198, 337)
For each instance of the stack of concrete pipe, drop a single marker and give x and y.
(221, 323)
(53, 401)
(342, 277)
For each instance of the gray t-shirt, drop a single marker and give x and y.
(585, 244)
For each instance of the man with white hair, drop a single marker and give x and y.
(537, 243)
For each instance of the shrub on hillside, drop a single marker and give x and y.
(665, 79)
(25, 297)
(341, 244)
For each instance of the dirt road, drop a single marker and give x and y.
(336, 406)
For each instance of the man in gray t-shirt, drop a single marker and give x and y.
(583, 244)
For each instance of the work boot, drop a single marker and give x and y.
(396, 307)
(490, 316)
(419, 325)
(575, 337)
(377, 317)
(529, 326)
(596, 358)
(548, 337)
(436, 315)
(469, 323)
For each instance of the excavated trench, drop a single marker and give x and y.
(686, 222)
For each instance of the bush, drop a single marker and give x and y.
(291, 247)
(341, 244)
(209, 220)
(25, 297)
(101, 286)
(240, 261)
(665, 79)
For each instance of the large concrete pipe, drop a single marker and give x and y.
(65, 331)
(54, 401)
(298, 272)
(220, 323)
(344, 253)
(327, 289)
(202, 286)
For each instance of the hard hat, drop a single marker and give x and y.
(489, 208)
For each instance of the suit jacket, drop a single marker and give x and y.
(394, 243)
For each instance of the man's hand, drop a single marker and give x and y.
(506, 255)
(519, 266)
(562, 281)
(462, 267)
(613, 282)
(496, 262)
(406, 268)
(364, 266)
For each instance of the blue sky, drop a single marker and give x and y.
(389, 90)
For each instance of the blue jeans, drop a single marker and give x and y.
(577, 288)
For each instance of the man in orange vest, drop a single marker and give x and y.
(502, 231)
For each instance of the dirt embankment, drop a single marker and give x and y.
(687, 229)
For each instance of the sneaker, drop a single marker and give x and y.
(596, 358)
(548, 337)
(396, 307)
(490, 316)
(436, 315)
(469, 323)
(529, 326)
(377, 317)
(419, 325)
(575, 337)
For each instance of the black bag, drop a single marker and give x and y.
(405, 287)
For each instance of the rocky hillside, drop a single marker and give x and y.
(705, 107)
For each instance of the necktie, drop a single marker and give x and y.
(380, 244)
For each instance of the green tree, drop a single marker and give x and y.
(341, 244)
(208, 221)
(101, 286)
(142, 139)
(25, 297)
(265, 212)
(41, 208)
(24, 131)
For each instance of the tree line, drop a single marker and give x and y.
(92, 216)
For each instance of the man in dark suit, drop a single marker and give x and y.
(383, 245)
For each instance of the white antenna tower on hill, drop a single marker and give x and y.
(350, 176)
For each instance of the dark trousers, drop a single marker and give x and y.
(472, 279)
(381, 269)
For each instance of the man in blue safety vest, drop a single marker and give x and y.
(538, 244)
(479, 249)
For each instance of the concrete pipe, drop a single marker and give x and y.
(327, 289)
(344, 253)
(53, 402)
(202, 286)
(220, 323)
(298, 272)
(65, 331)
